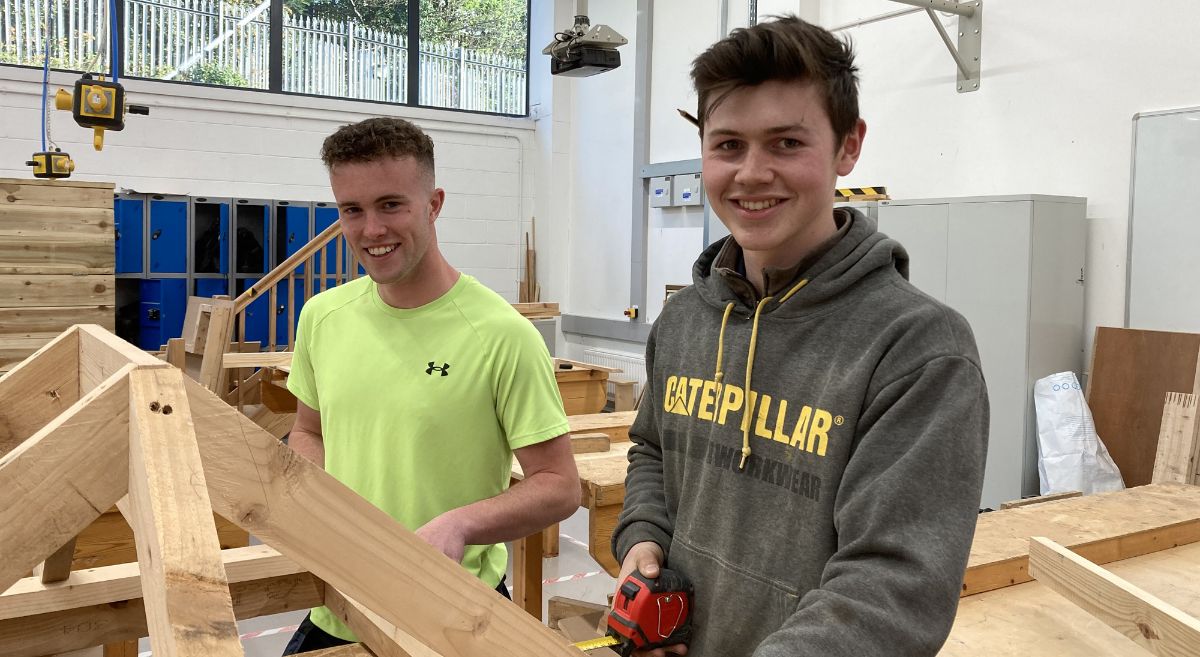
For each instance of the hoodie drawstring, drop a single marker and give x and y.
(750, 364)
(721, 343)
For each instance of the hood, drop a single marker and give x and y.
(860, 253)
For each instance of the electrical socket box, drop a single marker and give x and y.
(688, 190)
(660, 192)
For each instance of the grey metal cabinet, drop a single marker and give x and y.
(1013, 266)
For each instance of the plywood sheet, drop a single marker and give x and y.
(1030, 620)
(1132, 370)
(1103, 528)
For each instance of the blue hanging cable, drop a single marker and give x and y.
(46, 69)
(112, 39)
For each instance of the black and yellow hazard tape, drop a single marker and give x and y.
(851, 192)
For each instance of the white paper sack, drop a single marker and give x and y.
(1070, 454)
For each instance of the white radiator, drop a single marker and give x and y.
(633, 366)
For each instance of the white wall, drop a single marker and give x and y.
(245, 144)
(1061, 83)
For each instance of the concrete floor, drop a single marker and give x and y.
(589, 582)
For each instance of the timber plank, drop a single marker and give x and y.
(188, 609)
(15, 350)
(616, 425)
(38, 390)
(1132, 370)
(58, 254)
(55, 488)
(1140, 616)
(47, 322)
(20, 221)
(601, 523)
(56, 290)
(383, 639)
(304, 512)
(19, 192)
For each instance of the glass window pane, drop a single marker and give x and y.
(206, 41)
(474, 55)
(348, 50)
(79, 34)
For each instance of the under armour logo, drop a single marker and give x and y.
(444, 369)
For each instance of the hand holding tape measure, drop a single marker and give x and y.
(648, 613)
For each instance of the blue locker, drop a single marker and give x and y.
(211, 287)
(291, 231)
(256, 313)
(210, 250)
(161, 308)
(252, 244)
(128, 214)
(168, 236)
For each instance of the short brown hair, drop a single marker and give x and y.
(375, 139)
(786, 49)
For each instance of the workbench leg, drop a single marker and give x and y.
(550, 541)
(121, 649)
(527, 574)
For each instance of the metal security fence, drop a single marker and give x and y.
(217, 42)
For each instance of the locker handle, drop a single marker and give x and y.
(156, 234)
(153, 314)
(291, 237)
(280, 310)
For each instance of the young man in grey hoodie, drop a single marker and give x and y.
(811, 443)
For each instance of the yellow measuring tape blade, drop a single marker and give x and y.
(602, 642)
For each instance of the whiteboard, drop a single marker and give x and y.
(1163, 285)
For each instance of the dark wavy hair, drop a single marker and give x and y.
(786, 49)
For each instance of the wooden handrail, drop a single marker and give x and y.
(286, 267)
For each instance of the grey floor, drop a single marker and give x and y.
(266, 636)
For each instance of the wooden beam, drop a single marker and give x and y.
(377, 634)
(1141, 617)
(39, 389)
(84, 627)
(122, 582)
(527, 574)
(352, 650)
(63, 477)
(57, 566)
(349, 543)
(266, 359)
(188, 609)
(216, 343)
(176, 353)
(101, 354)
(1178, 440)
(1030, 501)
(616, 425)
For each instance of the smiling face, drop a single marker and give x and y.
(387, 208)
(771, 162)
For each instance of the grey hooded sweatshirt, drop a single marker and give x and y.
(834, 517)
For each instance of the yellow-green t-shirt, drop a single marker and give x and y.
(421, 408)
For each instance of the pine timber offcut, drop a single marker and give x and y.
(1178, 440)
(1132, 370)
(57, 260)
(1137, 614)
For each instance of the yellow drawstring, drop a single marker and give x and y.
(750, 396)
(795, 289)
(721, 343)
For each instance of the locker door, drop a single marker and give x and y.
(256, 313)
(251, 237)
(210, 232)
(291, 231)
(161, 307)
(168, 236)
(128, 213)
(211, 287)
(284, 301)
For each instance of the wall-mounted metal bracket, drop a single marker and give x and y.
(970, 36)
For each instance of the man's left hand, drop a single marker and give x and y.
(446, 535)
